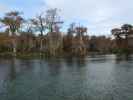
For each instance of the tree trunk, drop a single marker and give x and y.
(14, 46)
(41, 46)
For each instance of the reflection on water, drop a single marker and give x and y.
(127, 58)
(12, 70)
(97, 77)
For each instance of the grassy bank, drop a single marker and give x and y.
(22, 55)
(37, 55)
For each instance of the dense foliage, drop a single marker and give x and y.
(21, 37)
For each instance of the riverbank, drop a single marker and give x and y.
(37, 55)
(21, 55)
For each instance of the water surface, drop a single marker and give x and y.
(104, 77)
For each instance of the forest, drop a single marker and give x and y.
(42, 36)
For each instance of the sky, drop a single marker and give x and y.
(99, 16)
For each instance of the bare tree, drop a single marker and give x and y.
(40, 25)
(71, 29)
(53, 20)
(29, 26)
(80, 31)
(54, 36)
(13, 21)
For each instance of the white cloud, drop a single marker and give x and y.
(3, 8)
(101, 15)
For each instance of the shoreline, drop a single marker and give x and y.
(36, 55)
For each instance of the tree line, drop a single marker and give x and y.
(20, 36)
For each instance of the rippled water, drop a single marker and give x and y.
(104, 77)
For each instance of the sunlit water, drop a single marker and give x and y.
(91, 78)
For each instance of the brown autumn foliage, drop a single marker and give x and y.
(13, 21)
(54, 42)
(101, 44)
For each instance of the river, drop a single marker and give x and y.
(98, 77)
